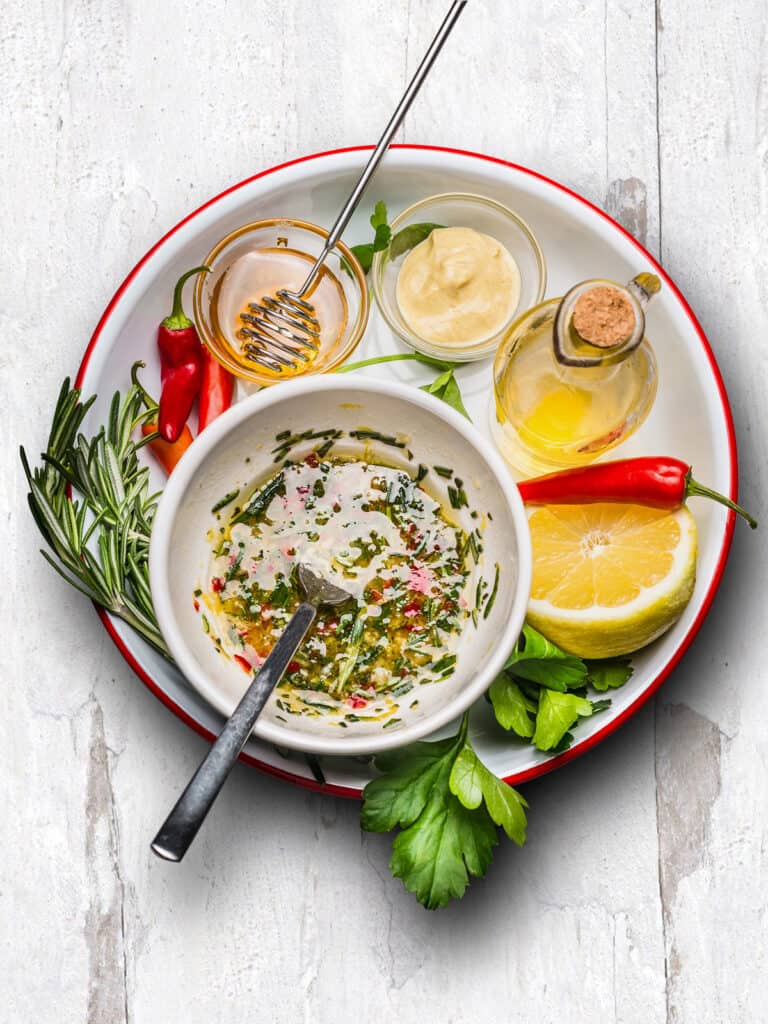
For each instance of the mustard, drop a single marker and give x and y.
(458, 287)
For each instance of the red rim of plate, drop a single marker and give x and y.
(614, 724)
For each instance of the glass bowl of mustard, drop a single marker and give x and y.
(256, 260)
(458, 270)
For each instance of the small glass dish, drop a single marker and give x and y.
(462, 209)
(290, 246)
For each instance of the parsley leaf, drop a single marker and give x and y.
(379, 215)
(445, 387)
(447, 805)
(564, 744)
(608, 675)
(511, 707)
(364, 255)
(383, 233)
(531, 698)
(409, 237)
(400, 795)
(539, 660)
(399, 243)
(436, 856)
(380, 226)
(600, 705)
(557, 713)
(473, 784)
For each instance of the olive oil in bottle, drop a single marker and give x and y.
(574, 376)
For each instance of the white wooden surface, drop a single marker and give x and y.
(641, 895)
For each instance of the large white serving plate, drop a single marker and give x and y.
(691, 418)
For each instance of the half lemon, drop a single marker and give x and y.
(608, 579)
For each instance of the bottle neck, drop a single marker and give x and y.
(600, 323)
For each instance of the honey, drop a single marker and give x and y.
(561, 401)
(262, 272)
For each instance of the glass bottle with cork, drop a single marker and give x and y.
(574, 376)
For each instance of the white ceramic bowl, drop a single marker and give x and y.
(215, 464)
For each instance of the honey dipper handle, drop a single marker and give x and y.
(375, 159)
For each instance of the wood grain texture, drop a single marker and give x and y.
(640, 896)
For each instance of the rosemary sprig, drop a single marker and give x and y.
(91, 501)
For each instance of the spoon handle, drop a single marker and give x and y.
(181, 825)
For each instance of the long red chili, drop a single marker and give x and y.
(167, 453)
(658, 482)
(181, 364)
(215, 391)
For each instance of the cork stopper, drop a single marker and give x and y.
(604, 317)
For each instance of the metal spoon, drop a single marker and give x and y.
(182, 824)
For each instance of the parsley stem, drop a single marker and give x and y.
(415, 356)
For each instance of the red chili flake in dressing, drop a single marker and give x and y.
(244, 664)
(312, 460)
(196, 605)
(412, 608)
(293, 666)
(357, 702)
(217, 584)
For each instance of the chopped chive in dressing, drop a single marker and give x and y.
(492, 597)
(226, 500)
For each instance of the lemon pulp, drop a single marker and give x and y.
(608, 579)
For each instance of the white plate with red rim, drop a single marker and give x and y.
(579, 241)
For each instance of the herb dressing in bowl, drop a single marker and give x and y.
(467, 574)
(373, 530)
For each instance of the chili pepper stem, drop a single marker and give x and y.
(178, 320)
(146, 398)
(694, 489)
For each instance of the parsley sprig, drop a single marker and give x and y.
(448, 806)
(542, 692)
(401, 242)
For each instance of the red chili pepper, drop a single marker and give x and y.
(244, 664)
(657, 482)
(216, 389)
(217, 584)
(167, 453)
(181, 364)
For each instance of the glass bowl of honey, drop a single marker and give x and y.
(259, 259)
